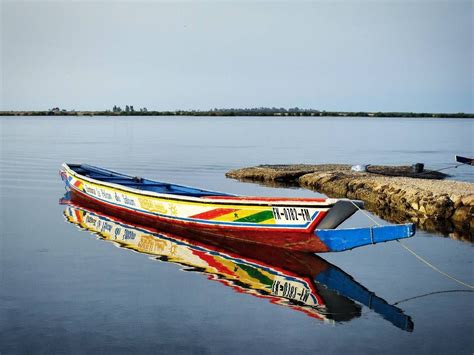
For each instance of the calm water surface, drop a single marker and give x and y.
(64, 289)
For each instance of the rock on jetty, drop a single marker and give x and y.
(445, 206)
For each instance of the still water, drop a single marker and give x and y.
(65, 289)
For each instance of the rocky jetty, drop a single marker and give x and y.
(444, 206)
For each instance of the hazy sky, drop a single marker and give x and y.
(347, 55)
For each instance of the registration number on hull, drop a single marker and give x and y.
(289, 214)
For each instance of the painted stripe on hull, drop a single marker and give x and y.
(257, 217)
(302, 240)
(218, 212)
(214, 200)
(292, 217)
(237, 223)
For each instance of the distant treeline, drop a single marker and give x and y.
(260, 111)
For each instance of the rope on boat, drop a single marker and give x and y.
(366, 213)
(449, 167)
(417, 255)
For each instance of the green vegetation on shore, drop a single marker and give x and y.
(260, 111)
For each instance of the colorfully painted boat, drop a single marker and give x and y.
(300, 281)
(306, 224)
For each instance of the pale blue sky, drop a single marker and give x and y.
(347, 55)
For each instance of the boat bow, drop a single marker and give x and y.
(350, 238)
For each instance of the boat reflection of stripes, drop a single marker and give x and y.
(306, 224)
(301, 281)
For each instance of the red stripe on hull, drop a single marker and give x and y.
(214, 213)
(304, 240)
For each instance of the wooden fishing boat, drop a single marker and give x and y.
(464, 160)
(301, 281)
(306, 224)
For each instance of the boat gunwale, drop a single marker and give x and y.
(327, 203)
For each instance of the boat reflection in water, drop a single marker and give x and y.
(301, 281)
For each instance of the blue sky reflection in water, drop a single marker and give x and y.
(62, 290)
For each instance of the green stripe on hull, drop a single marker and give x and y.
(257, 217)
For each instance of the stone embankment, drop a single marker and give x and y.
(444, 206)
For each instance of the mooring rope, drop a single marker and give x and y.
(417, 255)
(450, 167)
(363, 211)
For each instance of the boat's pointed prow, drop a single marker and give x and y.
(345, 239)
